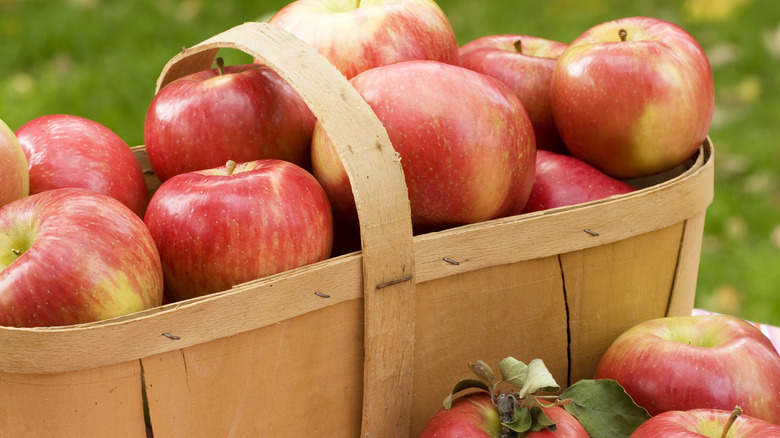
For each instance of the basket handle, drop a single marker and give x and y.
(380, 195)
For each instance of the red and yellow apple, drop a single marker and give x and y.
(711, 423)
(633, 97)
(696, 362)
(71, 255)
(356, 35)
(13, 167)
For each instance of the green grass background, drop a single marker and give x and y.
(100, 59)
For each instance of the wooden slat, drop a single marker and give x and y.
(290, 379)
(684, 290)
(612, 287)
(99, 402)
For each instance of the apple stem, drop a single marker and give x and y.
(357, 4)
(16, 252)
(732, 418)
(519, 46)
(506, 414)
(230, 166)
(622, 33)
(220, 65)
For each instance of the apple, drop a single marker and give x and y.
(13, 167)
(633, 97)
(359, 35)
(475, 416)
(565, 180)
(219, 227)
(566, 425)
(696, 362)
(526, 64)
(65, 150)
(71, 255)
(241, 113)
(465, 143)
(705, 423)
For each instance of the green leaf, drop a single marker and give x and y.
(604, 408)
(533, 401)
(542, 420)
(530, 419)
(483, 372)
(523, 421)
(537, 379)
(462, 385)
(513, 371)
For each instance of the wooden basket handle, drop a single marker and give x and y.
(381, 198)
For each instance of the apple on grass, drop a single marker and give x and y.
(219, 227)
(712, 423)
(696, 362)
(633, 97)
(65, 150)
(565, 180)
(465, 143)
(13, 167)
(72, 255)
(240, 113)
(526, 64)
(357, 35)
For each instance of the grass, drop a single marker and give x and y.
(100, 59)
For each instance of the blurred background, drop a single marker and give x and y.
(100, 59)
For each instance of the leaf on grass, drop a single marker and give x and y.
(537, 379)
(604, 408)
(462, 385)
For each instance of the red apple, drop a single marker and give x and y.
(465, 142)
(72, 255)
(358, 35)
(633, 97)
(13, 167)
(64, 150)
(696, 362)
(475, 416)
(204, 119)
(526, 64)
(705, 423)
(566, 425)
(565, 180)
(219, 227)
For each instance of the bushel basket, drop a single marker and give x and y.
(367, 343)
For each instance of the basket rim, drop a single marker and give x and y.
(27, 342)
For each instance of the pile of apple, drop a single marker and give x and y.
(251, 184)
(711, 376)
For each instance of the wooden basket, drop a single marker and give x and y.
(368, 343)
